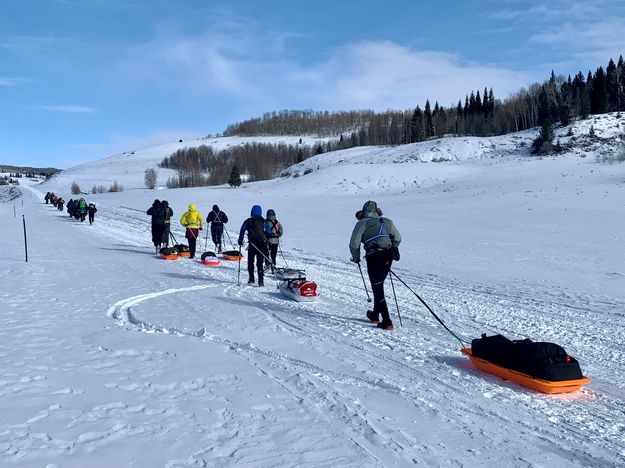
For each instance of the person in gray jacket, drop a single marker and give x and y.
(381, 240)
(273, 240)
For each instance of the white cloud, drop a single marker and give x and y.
(69, 109)
(250, 65)
(13, 81)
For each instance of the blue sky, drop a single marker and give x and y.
(84, 79)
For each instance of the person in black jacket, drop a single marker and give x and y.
(217, 219)
(158, 223)
(91, 210)
(167, 214)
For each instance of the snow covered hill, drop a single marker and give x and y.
(113, 357)
(128, 167)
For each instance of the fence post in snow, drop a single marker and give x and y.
(25, 241)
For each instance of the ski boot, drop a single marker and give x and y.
(373, 317)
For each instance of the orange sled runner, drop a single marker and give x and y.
(544, 386)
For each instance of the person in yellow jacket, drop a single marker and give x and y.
(192, 220)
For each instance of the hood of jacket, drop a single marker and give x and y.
(271, 214)
(215, 208)
(192, 207)
(256, 211)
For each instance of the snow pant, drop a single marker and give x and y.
(217, 233)
(378, 267)
(157, 234)
(192, 235)
(165, 236)
(273, 254)
(255, 252)
(91, 217)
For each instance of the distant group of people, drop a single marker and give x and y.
(78, 209)
(57, 202)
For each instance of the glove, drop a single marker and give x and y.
(200, 229)
(396, 254)
(355, 260)
(240, 243)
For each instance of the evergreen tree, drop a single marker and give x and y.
(543, 144)
(612, 87)
(235, 177)
(598, 96)
(429, 125)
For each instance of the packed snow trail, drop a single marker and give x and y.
(113, 347)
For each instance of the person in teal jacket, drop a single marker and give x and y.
(381, 240)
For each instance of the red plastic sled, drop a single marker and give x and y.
(169, 257)
(544, 386)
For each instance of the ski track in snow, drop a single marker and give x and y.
(350, 395)
(423, 345)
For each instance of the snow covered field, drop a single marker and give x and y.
(112, 357)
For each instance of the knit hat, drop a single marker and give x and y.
(271, 214)
(370, 207)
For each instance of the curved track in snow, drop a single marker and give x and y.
(408, 395)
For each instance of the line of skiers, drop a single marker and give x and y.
(377, 234)
(263, 234)
(78, 209)
(58, 202)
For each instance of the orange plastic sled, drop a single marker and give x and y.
(169, 257)
(544, 386)
(233, 258)
(185, 254)
(212, 262)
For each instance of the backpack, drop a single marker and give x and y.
(275, 227)
(256, 230)
(382, 240)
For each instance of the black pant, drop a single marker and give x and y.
(256, 252)
(273, 253)
(378, 266)
(192, 245)
(157, 234)
(165, 236)
(91, 217)
(217, 233)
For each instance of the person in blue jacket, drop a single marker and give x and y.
(257, 235)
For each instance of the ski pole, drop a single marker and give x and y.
(239, 272)
(429, 309)
(396, 303)
(363, 282)
(229, 239)
(282, 253)
(206, 239)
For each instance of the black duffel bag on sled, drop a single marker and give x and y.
(540, 360)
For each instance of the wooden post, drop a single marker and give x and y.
(25, 241)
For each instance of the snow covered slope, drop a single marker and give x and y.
(128, 168)
(112, 357)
